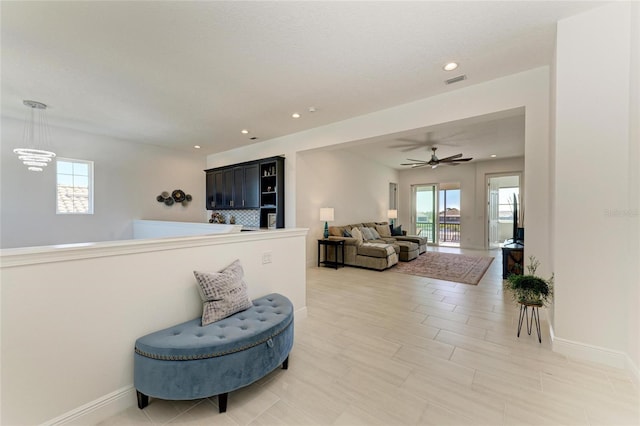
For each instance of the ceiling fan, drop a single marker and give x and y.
(434, 162)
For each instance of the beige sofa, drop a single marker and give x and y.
(380, 252)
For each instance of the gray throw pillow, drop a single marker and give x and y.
(366, 233)
(223, 293)
(375, 234)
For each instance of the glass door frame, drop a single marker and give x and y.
(433, 239)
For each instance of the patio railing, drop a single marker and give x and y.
(448, 232)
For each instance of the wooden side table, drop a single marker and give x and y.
(338, 246)
(512, 259)
(535, 316)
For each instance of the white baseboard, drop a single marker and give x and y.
(300, 314)
(634, 370)
(99, 409)
(592, 353)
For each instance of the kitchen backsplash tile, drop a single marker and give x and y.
(247, 218)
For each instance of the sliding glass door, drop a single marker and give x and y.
(425, 209)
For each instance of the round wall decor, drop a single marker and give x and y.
(178, 196)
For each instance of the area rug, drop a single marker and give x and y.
(459, 268)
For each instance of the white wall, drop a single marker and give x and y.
(595, 242)
(473, 202)
(70, 316)
(357, 189)
(127, 179)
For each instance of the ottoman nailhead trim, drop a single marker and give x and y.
(213, 354)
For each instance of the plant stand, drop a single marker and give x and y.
(535, 316)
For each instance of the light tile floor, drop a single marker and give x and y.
(383, 348)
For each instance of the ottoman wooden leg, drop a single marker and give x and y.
(143, 400)
(285, 364)
(222, 402)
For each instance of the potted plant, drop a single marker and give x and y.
(529, 289)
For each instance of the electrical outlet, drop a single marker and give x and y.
(266, 257)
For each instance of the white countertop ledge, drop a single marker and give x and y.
(14, 257)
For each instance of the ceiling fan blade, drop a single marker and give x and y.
(411, 164)
(419, 165)
(451, 157)
(419, 161)
(413, 141)
(456, 160)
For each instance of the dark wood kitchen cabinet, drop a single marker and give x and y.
(240, 186)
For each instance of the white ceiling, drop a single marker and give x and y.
(184, 73)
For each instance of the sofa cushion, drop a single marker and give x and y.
(388, 240)
(384, 231)
(223, 293)
(376, 250)
(355, 233)
(346, 233)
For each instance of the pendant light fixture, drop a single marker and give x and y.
(35, 153)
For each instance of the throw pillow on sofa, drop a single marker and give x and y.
(376, 235)
(366, 233)
(335, 231)
(397, 231)
(355, 233)
(384, 231)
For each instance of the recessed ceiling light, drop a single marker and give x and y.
(450, 66)
(493, 156)
(295, 115)
(196, 146)
(312, 109)
(244, 131)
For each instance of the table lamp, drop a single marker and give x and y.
(392, 214)
(326, 215)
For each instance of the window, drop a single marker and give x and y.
(74, 187)
(505, 203)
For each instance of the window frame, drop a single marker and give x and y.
(90, 185)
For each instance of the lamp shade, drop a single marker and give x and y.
(392, 214)
(326, 214)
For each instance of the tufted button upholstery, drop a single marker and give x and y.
(269, 316)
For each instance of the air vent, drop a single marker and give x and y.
(456, 79)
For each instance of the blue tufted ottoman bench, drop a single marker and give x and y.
(189, 361)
